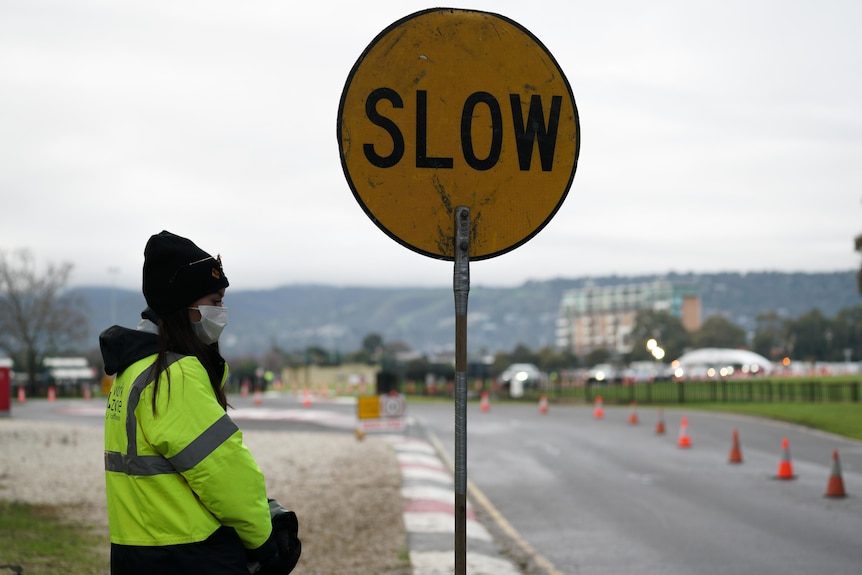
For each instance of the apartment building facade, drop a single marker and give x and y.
(603, 317)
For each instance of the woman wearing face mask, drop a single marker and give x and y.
(184, 493)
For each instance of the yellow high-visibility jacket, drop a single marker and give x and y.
(177, 475)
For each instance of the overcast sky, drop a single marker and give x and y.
(716, 136)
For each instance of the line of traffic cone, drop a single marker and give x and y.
(835, 487)
(633, 414)
(485, 403)
(735, 451)
(785, 466)
(543, 403)
(659, 426)
(684, 440)
(599, 409)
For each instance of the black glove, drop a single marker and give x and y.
(285, 528)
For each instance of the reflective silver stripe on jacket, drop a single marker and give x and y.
(131, 463)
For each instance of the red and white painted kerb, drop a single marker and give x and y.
(428, 495)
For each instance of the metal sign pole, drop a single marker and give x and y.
(540, 154)
(462, 290)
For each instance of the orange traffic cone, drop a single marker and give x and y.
(599, 410)
(633, 414)
(785, 467)
(735, 452)
(258, 397)
(243, 389)
(659, 427)
(684, 440)
(485, 403)
(306, 398)
(543, 403)
(52, 393)
(835, 487)
(22, 395)
(88, 394)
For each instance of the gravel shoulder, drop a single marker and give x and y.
(346, 493)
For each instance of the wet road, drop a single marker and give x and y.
(604, 497)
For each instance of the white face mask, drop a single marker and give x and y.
(213, 321)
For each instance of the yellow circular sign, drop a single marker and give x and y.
(450, 108)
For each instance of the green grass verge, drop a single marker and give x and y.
(839, 418)
(37, 539)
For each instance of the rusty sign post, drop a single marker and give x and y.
(459, 138)
(461, 288)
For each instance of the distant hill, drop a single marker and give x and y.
(297, 316)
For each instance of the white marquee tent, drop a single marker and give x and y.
(721, 357)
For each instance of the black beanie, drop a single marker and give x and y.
(177, 272)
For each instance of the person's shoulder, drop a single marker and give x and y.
(186, 362)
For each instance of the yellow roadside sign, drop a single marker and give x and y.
(368, 407)
(450, 108)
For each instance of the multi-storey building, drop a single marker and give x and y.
(603, 317)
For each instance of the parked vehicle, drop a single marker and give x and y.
(520, 376)
(647, 371)
(604, 374)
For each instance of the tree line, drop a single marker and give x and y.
(810, 337)
(40, 317)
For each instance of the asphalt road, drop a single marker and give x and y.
(604, 497)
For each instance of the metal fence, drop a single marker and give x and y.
(663, 392)
(719, 391)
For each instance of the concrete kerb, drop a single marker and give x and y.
(527, 555)
(428, 496)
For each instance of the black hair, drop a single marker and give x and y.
(176, 336)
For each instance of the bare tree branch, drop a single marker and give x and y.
(38, 315)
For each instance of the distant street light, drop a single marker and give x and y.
(113, 270)
(653, 347)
